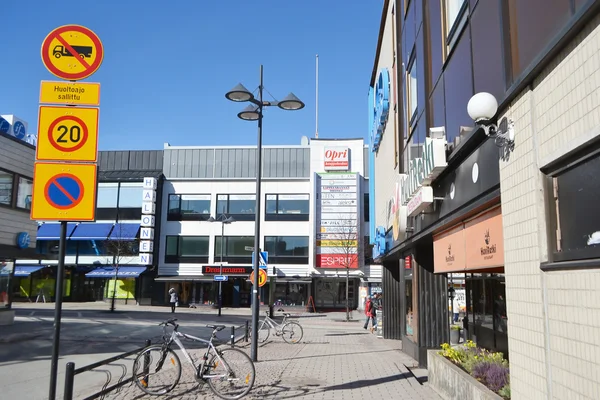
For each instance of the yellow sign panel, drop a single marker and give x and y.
(63, 192)
(67, 134)
(72, 52)
(337, 243)
(262, 277)
(81, 94)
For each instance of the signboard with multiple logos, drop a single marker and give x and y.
(336, 159)
(337, 220)
(148, 221)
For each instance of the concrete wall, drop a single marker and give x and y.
(554, 317)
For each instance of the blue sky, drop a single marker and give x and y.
(168, 64)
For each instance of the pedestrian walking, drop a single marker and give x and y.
(370, 313)
(173, 299)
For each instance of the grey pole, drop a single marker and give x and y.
(220, 299)
(255, 304)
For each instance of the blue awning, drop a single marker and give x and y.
(26, 270)
(123, 231)
(109, 272)
(92, 231)
(51, 231)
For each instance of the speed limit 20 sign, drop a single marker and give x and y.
(67, 134)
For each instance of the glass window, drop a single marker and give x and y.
(24, 192)
(436, 46)
(271, 204)
(412, 89)
(242, 203)
(458, 83)
(287, 246)
(107, 195)
(453, 11)
(366, 206)
(130, 195)
(6, 187)
(6, 269)
(531, 30)
(193, 246)
(95, 248)
(174, 204)
(235, 246)
(408, 304)
(287, 207)
(172, 246)
(189, 206)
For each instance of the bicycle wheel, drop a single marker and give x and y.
(263, 331)
(234, 376)
(292, 332)
(156, 370)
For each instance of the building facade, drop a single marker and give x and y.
(303, 187)
(103, 258)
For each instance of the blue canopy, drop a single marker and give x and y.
(109, 272)
(92, 231)
(51, 231)
(124, 231)
(26, 270)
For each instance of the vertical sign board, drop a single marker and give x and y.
(148, 221)
(65, 171)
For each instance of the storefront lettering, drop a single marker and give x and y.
(147, 223)
(422, 171)
(450, 256)
(488, 251)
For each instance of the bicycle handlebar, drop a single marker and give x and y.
(170, 322)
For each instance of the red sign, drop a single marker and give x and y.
(407, 262)
(336, 158)
(226, 270)
(337, 261)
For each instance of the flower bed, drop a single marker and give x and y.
(489, 368)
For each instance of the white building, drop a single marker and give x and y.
(306, 252)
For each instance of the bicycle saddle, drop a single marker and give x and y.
(217, 327)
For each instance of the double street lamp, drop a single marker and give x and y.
(254, 112)
(223, 219)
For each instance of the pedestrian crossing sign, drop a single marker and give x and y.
(263, 259)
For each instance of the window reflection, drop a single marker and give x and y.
(130, 195)
(107, 195)
(408, 303)
(412, 89)
(24, 192)
(6, 187)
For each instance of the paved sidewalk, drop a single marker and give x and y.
(336, 360)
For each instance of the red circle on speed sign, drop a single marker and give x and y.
(66, 135)
(262, 277)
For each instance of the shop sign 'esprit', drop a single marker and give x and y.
(148, 221)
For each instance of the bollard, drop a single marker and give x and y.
(69, 381)
(246, 332)
(146, 363)
(232, 336)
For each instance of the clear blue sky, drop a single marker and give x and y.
(168, 64)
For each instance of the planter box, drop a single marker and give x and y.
(451, 382)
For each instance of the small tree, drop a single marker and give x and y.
(348, 248)
(117, 248)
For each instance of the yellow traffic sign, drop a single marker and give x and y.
(81, 94)
(67, 134)
(262, 277)
(63, 192)
(72, 52)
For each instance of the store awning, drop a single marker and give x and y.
(26, 270)
(109, 272)
(92, 231)
(51, 231)
(123, 231)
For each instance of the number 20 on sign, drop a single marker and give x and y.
(67, 134)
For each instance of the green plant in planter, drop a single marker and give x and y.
(455, 327)
(505, 391)
(452, 354)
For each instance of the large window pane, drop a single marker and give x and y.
(24, 192)
(242, 203)
(172, 246)
(130, 195)
(107, 195)
(412, 90)
(458, 88)
(236, 246)
(174, 204)
(436, 49)
(531, 30)
(438, 105)
(195, 204)
(271, 204)
(366, 206)
(222, 202)
(293, 204)
(6, 187)
(452, 12)
(287, 246)
(193, 246)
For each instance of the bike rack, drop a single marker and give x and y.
(233, 340)
(71, 372)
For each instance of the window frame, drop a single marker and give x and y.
(17, 179)
(14, 188)
(411, 117)
(287, 259)
(285, 217)
(236, 216)
(179, 216)
(233, 259)
(178, 258)
(450, 34)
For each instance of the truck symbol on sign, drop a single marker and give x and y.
(83, 51)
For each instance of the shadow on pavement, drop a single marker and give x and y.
(348, 334)
(324, 355)
(367, 382)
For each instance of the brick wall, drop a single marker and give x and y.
(554, 317)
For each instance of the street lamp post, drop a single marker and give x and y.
(254, 112)
(223, 219)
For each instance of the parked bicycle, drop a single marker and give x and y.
(290, 331)
(229, 372)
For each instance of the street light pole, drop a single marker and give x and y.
(220, 299)
(254, 112)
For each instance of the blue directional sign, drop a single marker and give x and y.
(263, 260)
(221, 278)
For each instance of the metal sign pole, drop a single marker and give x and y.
(60, 273)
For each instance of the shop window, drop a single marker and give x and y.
(96, 248)
(287, 207)
(531, 31)
(6, 187)
(24, 192)
(409, 311)
(291, 294)
(189, 207)
(50, 248)
(239, 206)
(412, 89)
(331, 293)
(455, 18)
(287, 249)
(234, 249)
(186, 249)
(6, 270)
(130, 195)
(575, 234)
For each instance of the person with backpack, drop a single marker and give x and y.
(370, 313)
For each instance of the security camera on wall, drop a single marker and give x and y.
(438, 132)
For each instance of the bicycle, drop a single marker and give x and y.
(222, 367)
(285, 328)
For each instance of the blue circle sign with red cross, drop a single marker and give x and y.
(64, 191)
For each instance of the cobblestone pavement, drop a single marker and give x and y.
(335, 360)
